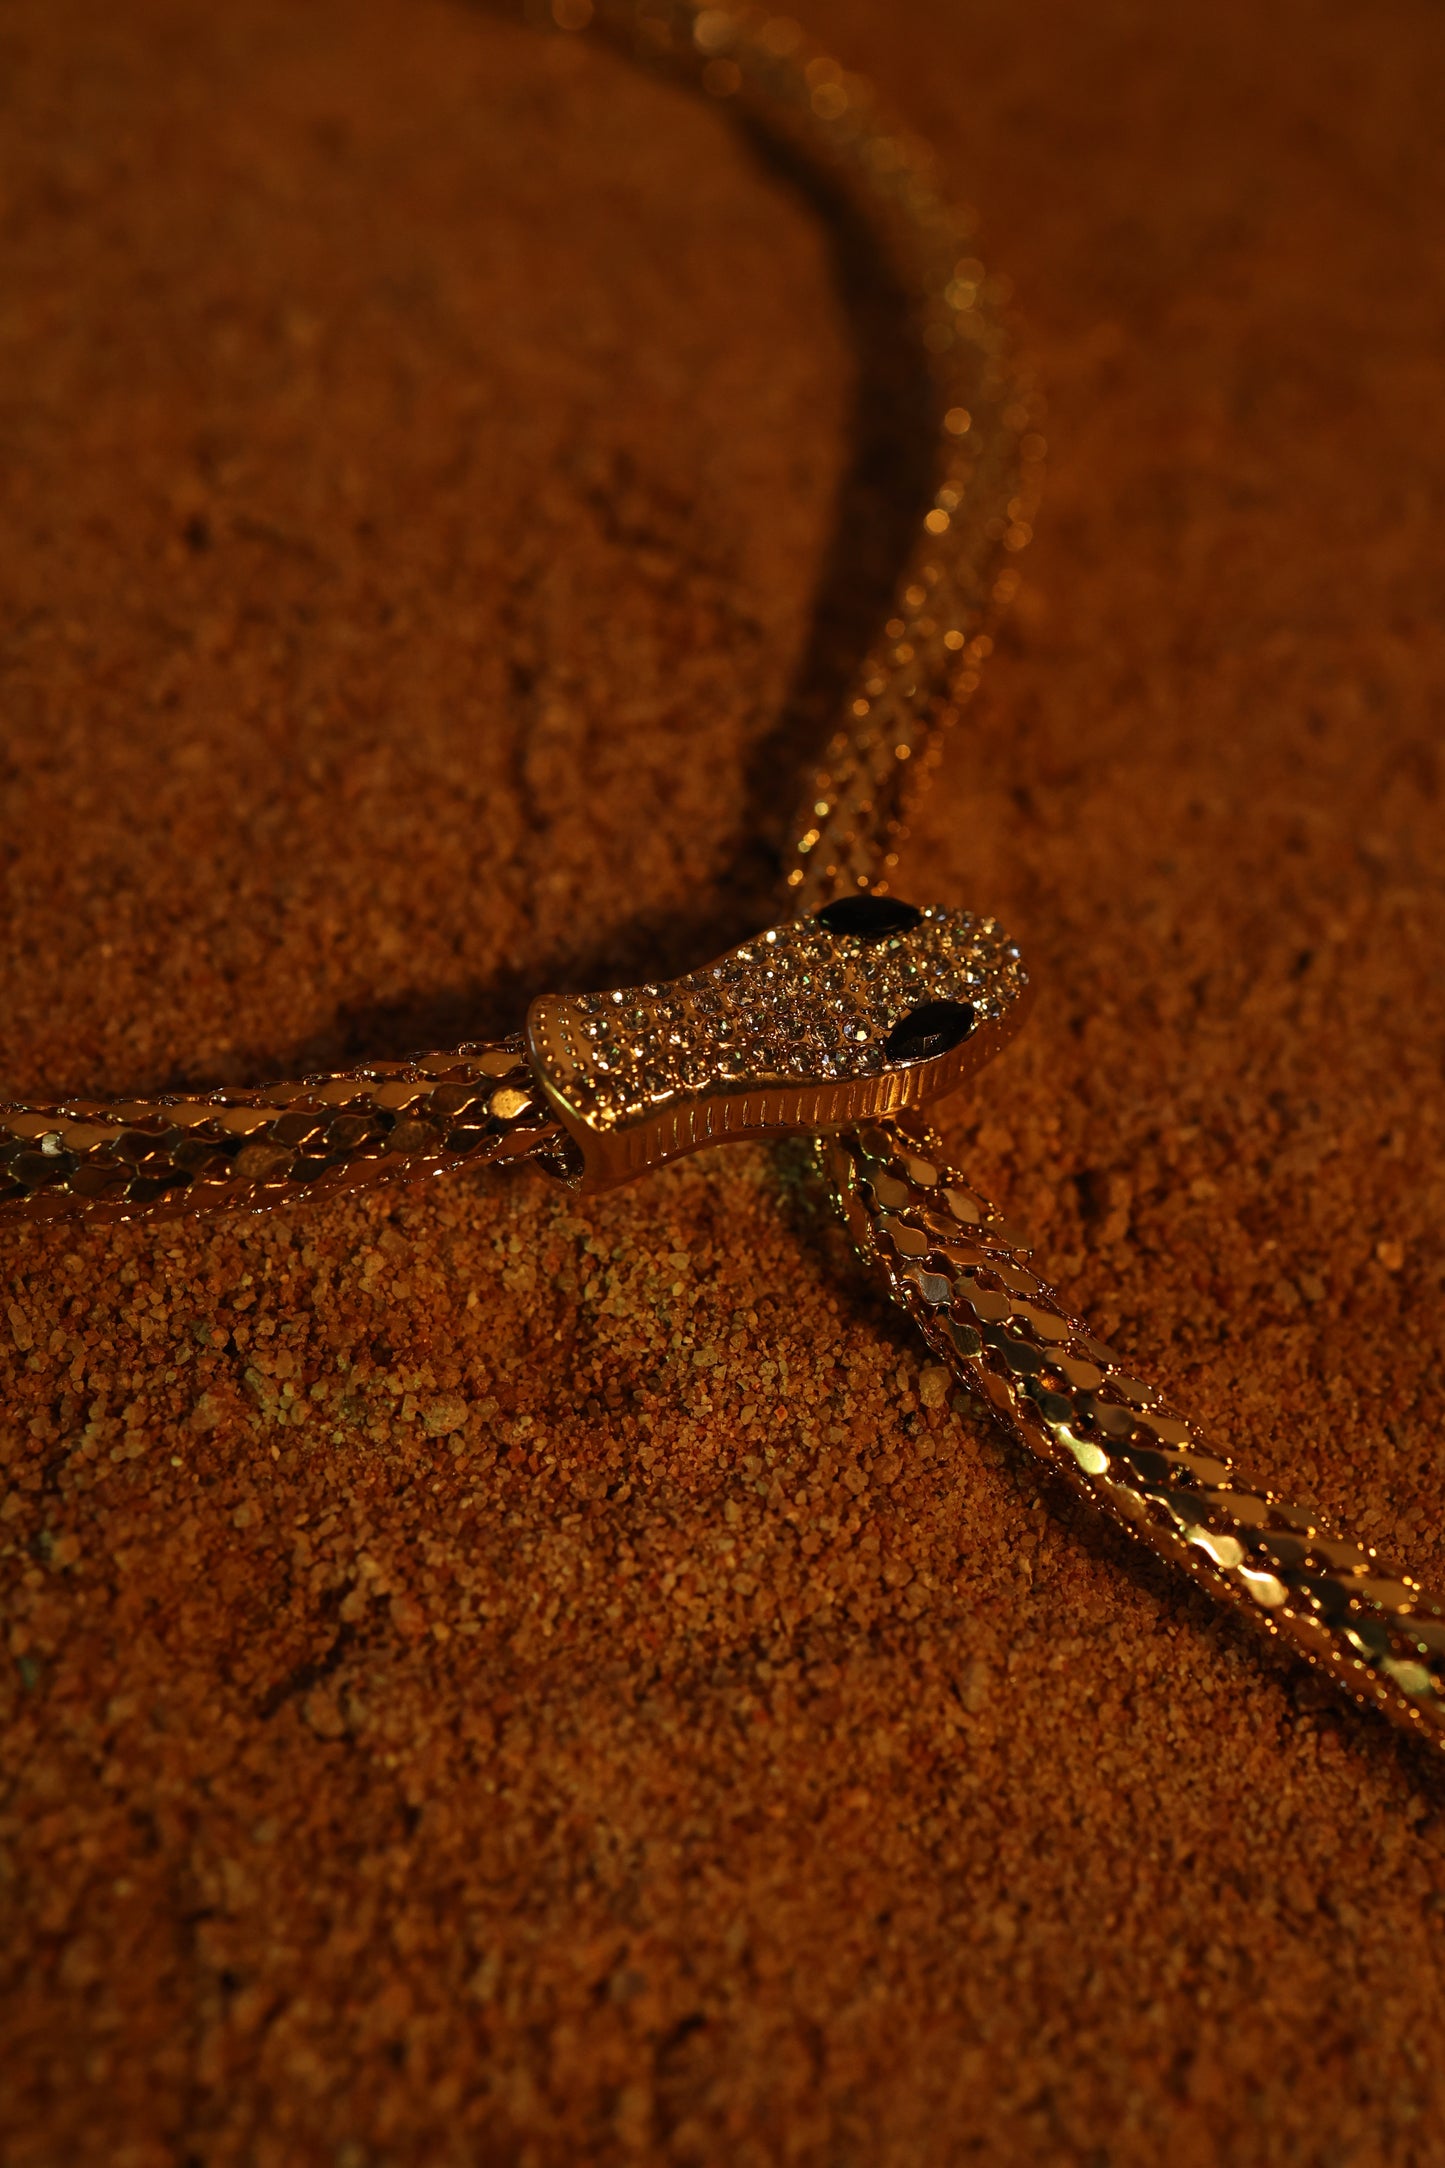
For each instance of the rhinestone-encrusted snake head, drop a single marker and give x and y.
(872, 1006)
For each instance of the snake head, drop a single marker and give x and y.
(869, 1007)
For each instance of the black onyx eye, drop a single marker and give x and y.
(934, 1027)
(869, 918)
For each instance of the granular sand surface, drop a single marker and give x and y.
(499, 1678)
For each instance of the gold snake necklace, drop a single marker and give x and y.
(845, 1020)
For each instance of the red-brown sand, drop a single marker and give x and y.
(496, 1678)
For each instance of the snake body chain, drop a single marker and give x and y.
(848, 1017)
(946, 1258)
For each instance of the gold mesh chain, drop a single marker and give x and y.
(966, 1281)
(987, 454)
(220, 1151)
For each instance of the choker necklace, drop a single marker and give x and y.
(841, 1023)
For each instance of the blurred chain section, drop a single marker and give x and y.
(988, 455)
(219, 1151)
(964, 1278)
